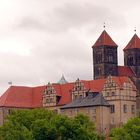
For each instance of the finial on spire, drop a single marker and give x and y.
(62, 80)
(104, 26)
(135, 30)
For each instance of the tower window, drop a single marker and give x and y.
(98, 58)
(130, 61)
(110, 56)
(99, 71)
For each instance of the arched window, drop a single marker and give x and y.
(130, 60)
(99, 57)
(110, 56)
(99, 71)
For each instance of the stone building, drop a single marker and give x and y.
(115, 104)
(109, 100)
(93, 105)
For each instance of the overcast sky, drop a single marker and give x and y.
(42, 39)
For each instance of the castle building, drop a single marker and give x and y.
(109, 100)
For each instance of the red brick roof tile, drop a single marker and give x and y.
(133, 43)
(104, 40)
(17, 96)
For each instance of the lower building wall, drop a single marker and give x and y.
(99, 114)
(1, 116)
(5, 111)
(119, 116)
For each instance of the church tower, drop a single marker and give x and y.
(105, 60)
(132, 57)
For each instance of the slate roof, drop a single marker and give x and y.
(104, 40)
(133, 43)
(93, 99)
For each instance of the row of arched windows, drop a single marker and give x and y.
(130, 61)
(99, 57)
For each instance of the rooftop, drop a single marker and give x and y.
(93, 99)
(104, 40)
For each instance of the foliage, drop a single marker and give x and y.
(41, 124)
(130, 130)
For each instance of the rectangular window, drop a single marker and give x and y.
(71, 112)
(81, 96)
(94, 118)
(47, 100)
(112, 120)
(133, 109)
(94, 110)
(51, 100)
(125, 108)
(112, 108)
(75, 97)
(76, 111)
(62, 111)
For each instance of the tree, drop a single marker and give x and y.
(120, 134)
(15, 131)
(129, 131)
(41, 124)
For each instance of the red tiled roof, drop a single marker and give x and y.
(105, 40)
(37, 96)
(66, 93)
(17, 97)
(31, 97)
(123, 79)
(133, 43)
(125, 71)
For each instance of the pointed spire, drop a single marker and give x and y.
(104, 40)
(62, 80)
(133, 43)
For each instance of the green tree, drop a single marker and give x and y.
(129, 131)
(15, 131)
(120, 134)
(41, 124)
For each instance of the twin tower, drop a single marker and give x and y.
(105, 59)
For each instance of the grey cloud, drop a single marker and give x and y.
(30, 23)
(58, 34)
(72, 15)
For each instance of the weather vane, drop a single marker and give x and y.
(10, 83)
(104, 25)
(135, 30)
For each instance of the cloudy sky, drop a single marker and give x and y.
(42, 39)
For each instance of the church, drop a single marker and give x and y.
(110, 99)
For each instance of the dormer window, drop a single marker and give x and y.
(50, 98)
(79, 91)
